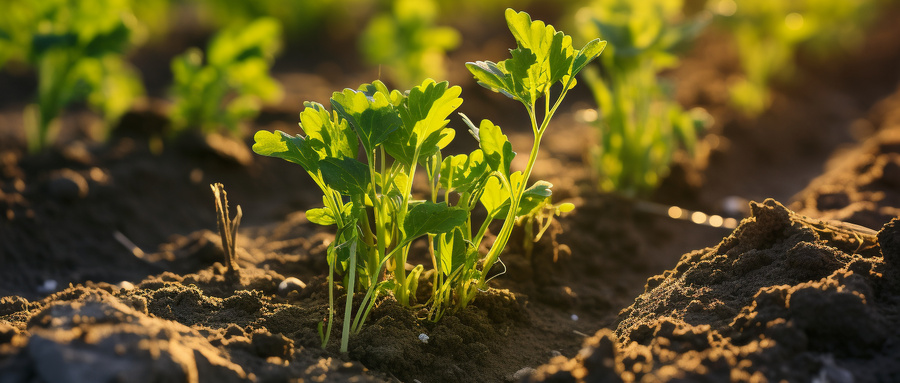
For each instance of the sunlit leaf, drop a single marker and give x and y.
(432, 218)
(497, 149)
(373, 118)
(346, 175)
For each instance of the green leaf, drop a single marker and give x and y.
(497, 149)
(329, 135)
(432, 218)
(543, 57)
(424, 114)
(111, 41)
(588, 53)
(496, 198)
(294, 149)
(491, 76)
(325, 216)
(344, 240)
(377, 86)
(320, 216)
(534, 197)
(346, 175)
(520, 69)
(261, 38)
(451, 251)
(463, 173)
(374, 118)
(552, 52)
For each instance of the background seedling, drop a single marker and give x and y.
(406, 42)
(641, 126)
(229, 87)
(76, 48)
(769, 33)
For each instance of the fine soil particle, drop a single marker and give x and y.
(784, 297)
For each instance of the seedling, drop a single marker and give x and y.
(76, 48)
(641, 126)
(770, 32)
(371, 202)
(406, 41)
(232, 84)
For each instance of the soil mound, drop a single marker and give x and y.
(783, 297)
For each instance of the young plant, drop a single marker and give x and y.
(233, 83)
(641, 126)
(371, 201)
(76, 48)
(770, 32)
(406, 41)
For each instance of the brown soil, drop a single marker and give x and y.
(112, 265)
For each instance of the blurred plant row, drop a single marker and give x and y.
(640, 124)
(79, 53)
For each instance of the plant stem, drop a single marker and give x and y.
(345, 334)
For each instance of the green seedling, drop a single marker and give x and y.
(371, 202)
(770, 32)
(641, 126)
(542, 217)
(76, 49)
(229, 88)
(407, 43)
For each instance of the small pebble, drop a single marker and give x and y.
(49, 286)
(290, 284)
(125, 285)
(424, 338)
(554, 353)
(522, 373)
(574, 317)
(68, 185)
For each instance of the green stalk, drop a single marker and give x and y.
(345, 334)
(516, 196)
(400, 258)
(330, 303)
(336, 208)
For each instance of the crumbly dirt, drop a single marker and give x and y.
(784, 297)
(112, 266)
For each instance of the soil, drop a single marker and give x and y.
(113, 269)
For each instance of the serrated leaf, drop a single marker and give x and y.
(462, 173)
(552, 50)
(432, 218)
(497, 150)
(346, 175)
(491, 76)
(294, 149)
(519, 68)
(496, 198)
(424, 113)
(329, 135)
(373, 118)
